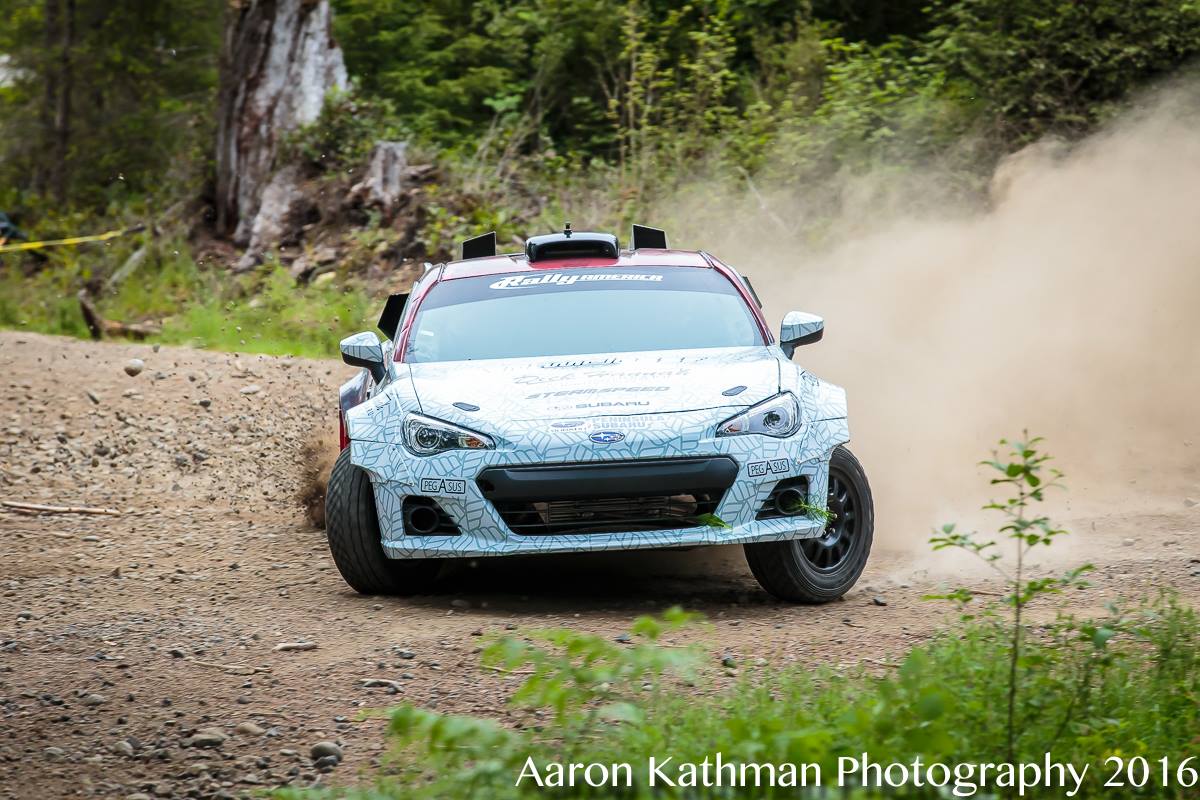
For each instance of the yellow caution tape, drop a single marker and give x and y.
(74, 240)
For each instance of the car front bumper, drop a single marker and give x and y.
(472, 488)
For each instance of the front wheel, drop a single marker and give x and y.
(824, 568)
(352, 525)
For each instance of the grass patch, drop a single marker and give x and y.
(281, 319)
(261, 313)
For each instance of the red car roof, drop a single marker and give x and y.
(518, 263)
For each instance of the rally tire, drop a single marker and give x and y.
(792, 571)
(352, 525)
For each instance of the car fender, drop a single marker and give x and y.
(355, 391)
(823, 405)
(352, 393)
(374, 428)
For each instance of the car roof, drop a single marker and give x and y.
(517, 262)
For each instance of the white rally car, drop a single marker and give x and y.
(578, 397)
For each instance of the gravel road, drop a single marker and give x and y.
(140, 653)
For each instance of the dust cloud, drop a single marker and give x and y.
(315, 464)
(1067, 304)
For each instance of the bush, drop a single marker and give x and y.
(265, 312)
(1125, 685)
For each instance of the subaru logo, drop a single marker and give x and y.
(606, 437)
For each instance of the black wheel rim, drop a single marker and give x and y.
(830, 550)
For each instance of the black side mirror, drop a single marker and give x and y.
(364, 350)
(799, 328)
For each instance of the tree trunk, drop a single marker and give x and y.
(43, 173)
(278, 62)
(62, 111)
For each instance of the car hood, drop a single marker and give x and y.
(571, 387)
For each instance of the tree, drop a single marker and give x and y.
(278, 63)
(103, 101)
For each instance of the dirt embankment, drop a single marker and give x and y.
(124, 639)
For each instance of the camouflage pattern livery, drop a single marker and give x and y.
(603, 408)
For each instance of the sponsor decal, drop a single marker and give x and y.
(756, 469)
(587, 362)
(614, 405)
(601, 390)
(607, 437)
(529, 380)
(443, 486)
(562, 279)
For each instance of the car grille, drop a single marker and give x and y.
(608, 514)
(607, 497)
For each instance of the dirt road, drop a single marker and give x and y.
(124, 639)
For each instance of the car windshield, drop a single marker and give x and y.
(580, 311)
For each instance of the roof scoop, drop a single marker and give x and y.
(571, 244)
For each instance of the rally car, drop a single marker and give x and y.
(580, 397)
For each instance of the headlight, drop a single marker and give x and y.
(778, 416)
(425, 436)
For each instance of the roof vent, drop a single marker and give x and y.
(571, 244)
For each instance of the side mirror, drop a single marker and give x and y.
(800, 327)
(364, 350)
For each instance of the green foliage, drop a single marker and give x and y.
(711, 520)
(879, 104)
(447, 65)
(1060, 67)
(565, 65)
(268, 313)
(572, 670)
(663, 90)
(139, 81)
(1124, 684)
(1024, 474)
(263, 313)
(796, 506)
(342, 137)
(669, 92)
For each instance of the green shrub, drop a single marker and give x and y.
(277, 318)
(1126, 685)
(264, 312)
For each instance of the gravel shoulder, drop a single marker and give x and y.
(139, 653)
